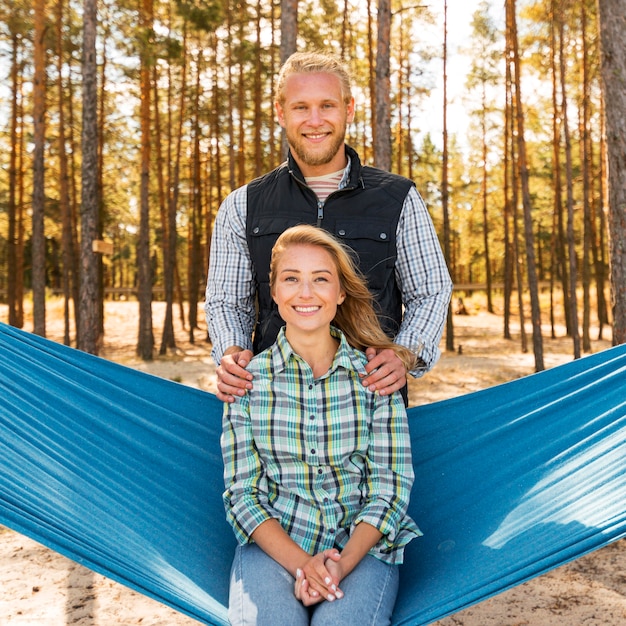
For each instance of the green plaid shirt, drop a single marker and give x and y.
(320, 455)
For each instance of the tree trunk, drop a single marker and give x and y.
(169, 249)
(613, 41)
(382, 121)
(507, 170)
(195, 202)
(557, 218)
(444, 177)
(484, 197)
(586, 162)
(14, 273)
(88, 334)
(38, 198)
(242, 176)
(288, 28)
(371, 76)
(571, 248)
(231, 104)
(259, 93)
(516, 256)
(599, 239)
(288, 45)
(145, 339)
(526, 200)
(67, 247)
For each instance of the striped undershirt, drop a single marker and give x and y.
(323, 186)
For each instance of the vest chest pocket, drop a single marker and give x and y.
(374, 243)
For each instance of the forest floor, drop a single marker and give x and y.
(38, 587)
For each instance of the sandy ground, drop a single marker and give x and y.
(38, 587)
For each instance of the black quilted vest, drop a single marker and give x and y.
(364, 215)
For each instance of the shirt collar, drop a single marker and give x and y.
(346, 174)
(346, 356)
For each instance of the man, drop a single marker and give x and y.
(379, 215)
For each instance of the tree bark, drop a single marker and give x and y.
(145, 339)
(526, 199)
(38, 197)
(569, 177)
(171, 237)
(88, 333)
(612, 14)
(382, 121)
(15, 272)
(444, 177)
(288, 28)
(68, 251)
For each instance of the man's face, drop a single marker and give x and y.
(315, 118)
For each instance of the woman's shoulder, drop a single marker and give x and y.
(260, 362)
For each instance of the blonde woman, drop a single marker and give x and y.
(318, 468)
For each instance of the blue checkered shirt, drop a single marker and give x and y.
(320, 455)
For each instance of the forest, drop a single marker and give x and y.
(125, 123)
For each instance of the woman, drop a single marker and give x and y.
(317, 468)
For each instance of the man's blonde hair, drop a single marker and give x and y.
(313, 63)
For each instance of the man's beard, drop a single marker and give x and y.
(314, 158)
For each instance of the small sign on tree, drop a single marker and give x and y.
(102, 247)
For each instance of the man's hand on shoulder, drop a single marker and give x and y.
(232, 378)
(385, 371)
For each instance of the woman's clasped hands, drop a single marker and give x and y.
(319, 578)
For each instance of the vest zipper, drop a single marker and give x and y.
(320, 213)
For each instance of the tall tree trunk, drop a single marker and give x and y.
(259, 93)
(169, 250)
(194, 226)
(102, 108)
(288, 45)
(444, 177)
(371, 78)
(288, 28)
(67, 248)
(507, 170)
(241, 97)
(232, 181)
(571, 247)
(145, 339)
(516, 254)
(38, 198)
(73, 191)
(382, 121)
(20, 219)
(14, 273)
(526, 200)
(613, 41)
(586, 163)
(88, 334)
(600, 246)
(559, 265)
(274, 59)
(484, 197)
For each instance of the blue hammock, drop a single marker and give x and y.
(121, 471)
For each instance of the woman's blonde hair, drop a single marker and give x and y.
(356, 316)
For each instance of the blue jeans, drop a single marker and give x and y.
(261, 594)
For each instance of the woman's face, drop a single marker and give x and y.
(307, 289)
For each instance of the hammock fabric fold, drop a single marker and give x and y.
(121, 471)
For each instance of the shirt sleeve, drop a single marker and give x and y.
(424, 280)
(230, 291)
(245, 496)
(390, 473)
